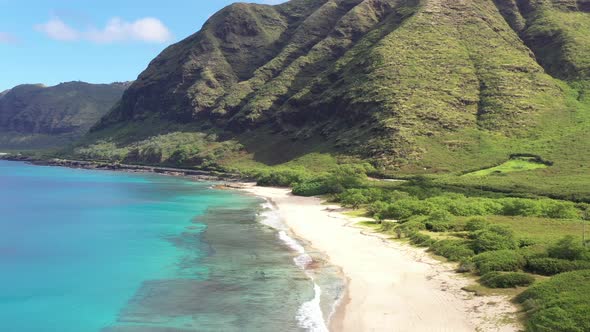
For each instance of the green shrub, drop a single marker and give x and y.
(553, 319)
(551, 266)
(559, 210)
(439, 221)
(281, 177)
(406, 208)
(439, 226)
(476, 224)
(408, 228)
(310, 188)
(439, 215)
(354, 198)
(559, 304)
(475, 206)
(421, 240)
(393, 195)
(183, 155)
(377, 208)
(493, 238)
(506, 280)
(452, 249)
(568, 248)
(500, 260)
(347, 176)
(520, 207)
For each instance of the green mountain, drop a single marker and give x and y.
(35, 116)
(415, 86)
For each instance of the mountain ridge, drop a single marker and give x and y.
(413, 86)
(33, 115)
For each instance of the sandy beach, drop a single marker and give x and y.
(391, 286)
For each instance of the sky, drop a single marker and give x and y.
(96, 41)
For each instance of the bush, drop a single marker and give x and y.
(377, 209)
(439, 221)
(353, 198)
(568, 248)
(310, 188)
(500, 260)
(553, 319)
(493, 238)
(281, 177)
(439, 226)
(520, 207)
(551, 266)
(475, 206)
(421, 240)
(183, 155)
(452, 249)
(409, 227)
(506, 280)
(476, 224)
(439, 215)
(559, 304)
(406, 208)
(559, 210)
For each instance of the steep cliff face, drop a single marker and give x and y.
(384, 79)
(30, 113)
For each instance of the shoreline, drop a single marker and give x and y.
(390, 285)
(118, 167)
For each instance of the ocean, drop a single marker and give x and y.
(84, 250)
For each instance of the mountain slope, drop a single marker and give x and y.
(35, 116)
(413, 85)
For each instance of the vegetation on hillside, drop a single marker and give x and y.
(430, 87)
(35, 116)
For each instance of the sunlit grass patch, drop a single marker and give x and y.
(513, 165)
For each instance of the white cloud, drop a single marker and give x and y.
(147, 29)
(58, 30)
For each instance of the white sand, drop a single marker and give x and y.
(391, 286)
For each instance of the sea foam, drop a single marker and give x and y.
(309, 314)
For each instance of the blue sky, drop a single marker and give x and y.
(94, 41)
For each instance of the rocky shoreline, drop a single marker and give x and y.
(110, 166)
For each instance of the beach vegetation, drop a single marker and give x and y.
(569, 248)
(558, 304)
(499, 260)
(476, 224)
(495, 237)
(551, 266)
(454, 250)
(507, 279)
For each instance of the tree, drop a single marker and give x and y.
(353, 198)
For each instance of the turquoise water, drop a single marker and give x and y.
(85, 250)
